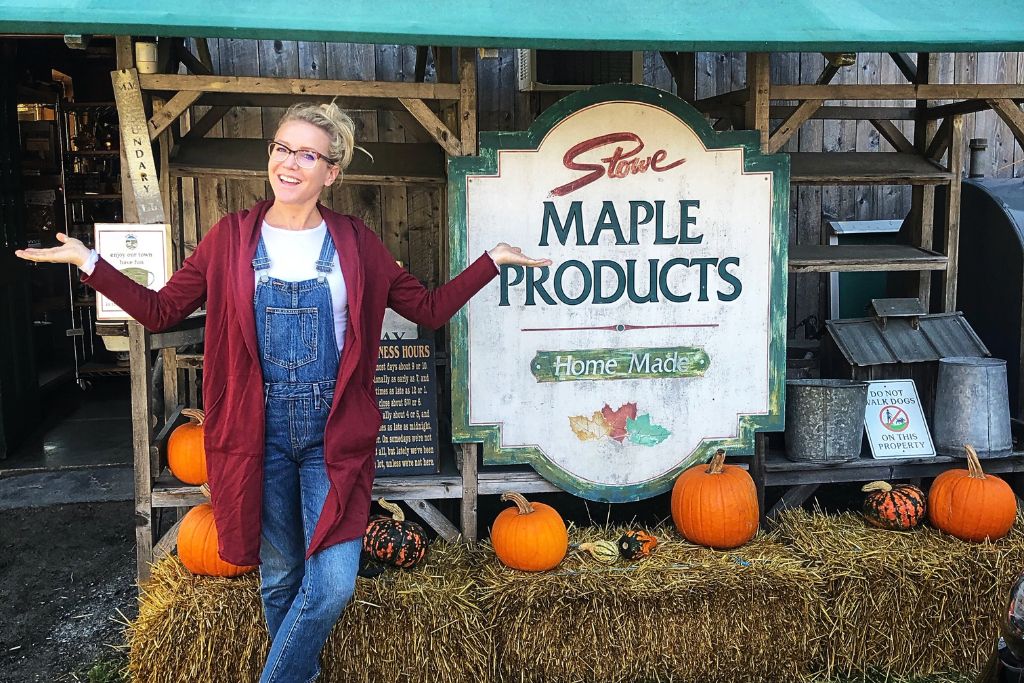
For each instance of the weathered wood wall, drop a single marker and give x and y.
(409, 219)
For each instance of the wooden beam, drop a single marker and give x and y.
(433, 125)
(791, 125)
(301, 86)
(925, 238)
(956, 159)
(940, 141)
(906, 65)
(438, 522)
(469, 492)
(169, 113)
(1011, 115)
(422, 53)
(965, 107)
(923, 91)
(206, 122)
(734, 97)
(142, 442)
(467, 101)
(759, 91)
(125, 52)
(794, 496)
(827, 74)
(192, 63)
(683, 67)
(203, 48)
(893, 135)
(167, 543)
(853, 113)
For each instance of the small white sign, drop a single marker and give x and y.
(140, 251)
(895, 421)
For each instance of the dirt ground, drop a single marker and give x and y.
(67, 574)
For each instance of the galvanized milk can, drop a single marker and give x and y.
(972, 407)
(824, 419)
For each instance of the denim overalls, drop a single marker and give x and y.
(302, 599)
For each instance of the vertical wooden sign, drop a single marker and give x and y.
(138, 150)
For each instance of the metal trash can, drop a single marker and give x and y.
(972, 407)
(824, 419)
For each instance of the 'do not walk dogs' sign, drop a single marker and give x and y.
(657, 335)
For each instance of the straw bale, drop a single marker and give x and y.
(684, 614)
(410, 626)
(902, 604)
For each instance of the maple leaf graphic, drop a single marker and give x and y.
(642, 432)
(616, 419)
(589, 428)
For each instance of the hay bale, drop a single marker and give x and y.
(902, 604)
(416, 625)
(684, 614)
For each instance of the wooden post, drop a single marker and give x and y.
(922, 202)
(469, 492)
(467, 100)
(956, 162)
(142, 446)
(757, 470)
(758, 92)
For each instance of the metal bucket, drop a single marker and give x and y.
(972, 407)
(824, 419)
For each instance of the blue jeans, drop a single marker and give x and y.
(302, 599)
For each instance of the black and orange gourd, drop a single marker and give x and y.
(394, 540)
(897, 508)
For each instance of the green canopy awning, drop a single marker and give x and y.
(678, 25)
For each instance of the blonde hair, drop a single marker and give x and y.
(332, 120)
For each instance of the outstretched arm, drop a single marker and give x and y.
(433, 308)
(184, 292)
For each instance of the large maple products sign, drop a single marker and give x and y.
(657, 335)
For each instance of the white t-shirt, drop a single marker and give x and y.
(293, 255)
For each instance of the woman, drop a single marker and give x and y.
(295, 297)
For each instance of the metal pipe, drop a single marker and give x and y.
(978, 158)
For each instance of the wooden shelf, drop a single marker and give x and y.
(394, 163)
(815, 258)
(94, 153)
(169, 492)
(865, 168)
(779, 471)
(94, 197)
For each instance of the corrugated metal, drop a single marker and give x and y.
(863, 342)
(860, 342)
(726, 25)
(952, 336)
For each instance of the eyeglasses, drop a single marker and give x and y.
(305, 158)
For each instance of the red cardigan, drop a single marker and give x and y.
(220, 273)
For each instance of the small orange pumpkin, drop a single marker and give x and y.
(186, 455)
(530, 536)
(197, 545)
(715, 505)
(970, 504)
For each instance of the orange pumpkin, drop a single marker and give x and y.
(970, 504)
(186, 455)
(529, 536)
(197, 545)
(715, 505)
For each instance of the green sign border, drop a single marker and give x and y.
(487, 164)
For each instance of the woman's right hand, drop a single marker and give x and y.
(70, 250)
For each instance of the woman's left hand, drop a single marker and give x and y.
(506, 255)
